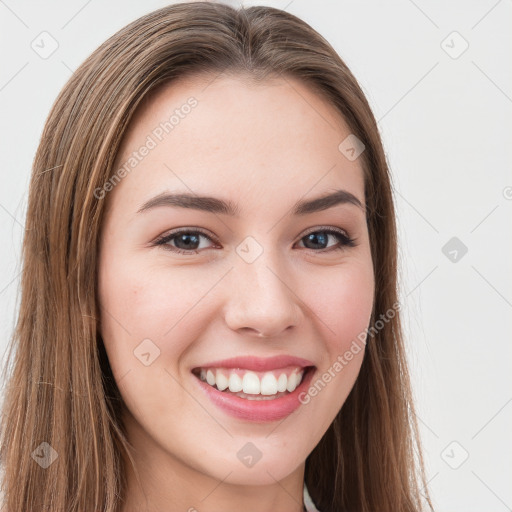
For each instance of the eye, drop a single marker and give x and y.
(186, 238)
(321, 236)
(186, 241)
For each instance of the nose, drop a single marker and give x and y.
(261, 300)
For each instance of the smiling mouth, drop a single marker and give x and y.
(252, 385)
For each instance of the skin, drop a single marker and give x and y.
(309, 300)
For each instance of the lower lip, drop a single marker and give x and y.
(257, 410)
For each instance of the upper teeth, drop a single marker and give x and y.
(251, 382)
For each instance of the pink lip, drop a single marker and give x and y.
(258, 410)
(258, 364)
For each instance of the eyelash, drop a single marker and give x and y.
(345, 241)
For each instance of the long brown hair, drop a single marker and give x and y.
(60, 389)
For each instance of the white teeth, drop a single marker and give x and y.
(250, 382)
(268, 384)
(221, 380)
(282, 382)
(293, 382)
(210, 378)
(235, 383)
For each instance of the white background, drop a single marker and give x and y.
(446, 125)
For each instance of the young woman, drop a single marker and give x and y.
(209, 316)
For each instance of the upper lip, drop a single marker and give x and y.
(258, 364)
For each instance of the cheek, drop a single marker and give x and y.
(140, 302)
(342, 309)
(144, 316)
(343, 304)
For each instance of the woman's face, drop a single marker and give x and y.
(262, 268)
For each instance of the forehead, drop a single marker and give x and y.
(239, 135)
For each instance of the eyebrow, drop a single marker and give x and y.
(221, 206)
